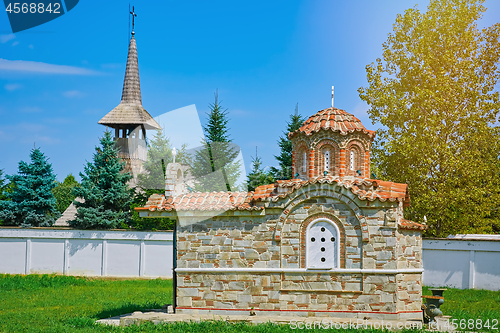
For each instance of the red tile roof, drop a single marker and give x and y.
(333, 119)
(201, 201)
(410, 225)
(365, 189)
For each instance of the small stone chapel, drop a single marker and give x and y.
(331, 242)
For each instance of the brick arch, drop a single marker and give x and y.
(297, 159)
(303, 229)
(319, 158)
(359, 162)
(312, 191)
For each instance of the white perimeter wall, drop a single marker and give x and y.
(458, 263)
(86, 252)
(462, 263)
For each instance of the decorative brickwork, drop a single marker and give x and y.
(336, 131)
(334, 158)
(355, 159)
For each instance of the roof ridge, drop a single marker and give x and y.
(332, 119)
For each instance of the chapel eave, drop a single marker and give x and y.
(364, 189)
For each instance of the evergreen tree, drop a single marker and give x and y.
(152, 180)
(63, 192)
(258, 176)
(2, 196)
(433, 92)
(104, 189)
(31, 202)
(2, 187)
(214, 165)
(284, 171)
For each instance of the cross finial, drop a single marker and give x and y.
(134, 15)
(332, 96)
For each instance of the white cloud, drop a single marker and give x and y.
(43, 68)
(5, 38)
(12, 86)
(31, 46)
(73, 93)
(15, 43)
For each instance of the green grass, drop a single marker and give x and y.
(51, 303)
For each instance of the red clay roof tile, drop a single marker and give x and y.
(333, 119)
(364, 189)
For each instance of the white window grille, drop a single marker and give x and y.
(327, 160)
(322, 245)
(353, 157)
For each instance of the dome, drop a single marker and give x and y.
(333, 119)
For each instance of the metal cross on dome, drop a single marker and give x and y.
(134, 15)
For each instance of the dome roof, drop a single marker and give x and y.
(333, 119)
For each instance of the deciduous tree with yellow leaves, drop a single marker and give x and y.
(434, 94)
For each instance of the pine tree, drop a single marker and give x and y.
(63, 192)
(104, 189)
(284, 171)
(258, 176)
(2, 186)
(31, 203)
(152, 180)
(214, 165)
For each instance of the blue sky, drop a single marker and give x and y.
(57, 80)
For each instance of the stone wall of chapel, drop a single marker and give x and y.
(293, 242)
(409, 249)
(409, 286)
(246, 240)
(228, 241)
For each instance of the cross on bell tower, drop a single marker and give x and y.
(134, 15)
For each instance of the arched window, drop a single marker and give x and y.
(304, 163)
(322, 245)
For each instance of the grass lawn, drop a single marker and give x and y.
(49, 303)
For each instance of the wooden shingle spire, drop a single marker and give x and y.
(130, 110)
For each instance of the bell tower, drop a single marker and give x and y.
(129, 119)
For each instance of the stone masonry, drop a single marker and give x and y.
(328, 244)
